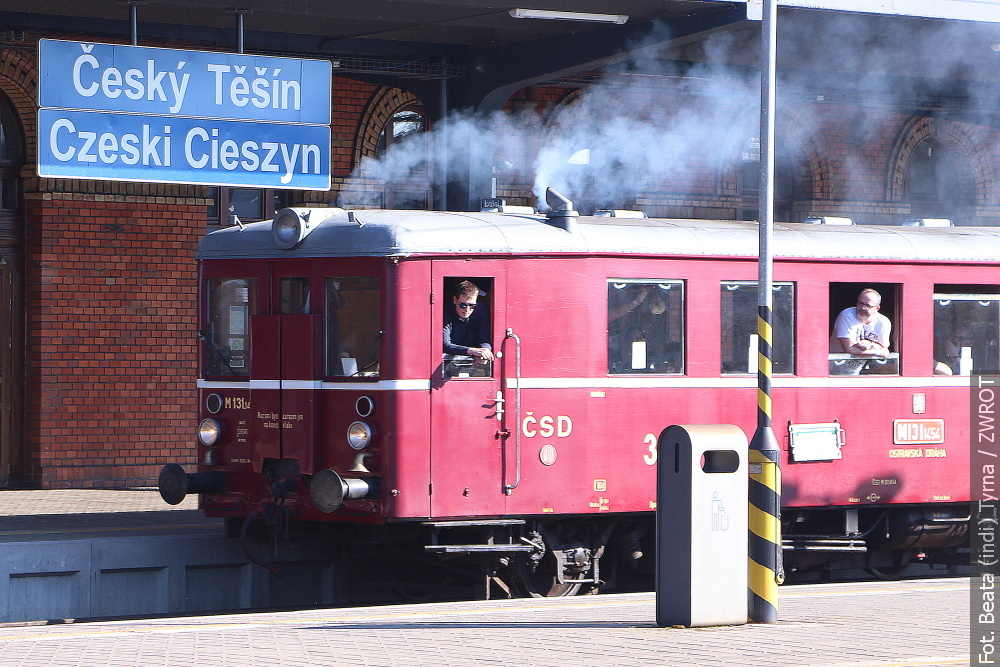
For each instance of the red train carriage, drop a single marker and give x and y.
(326, 396)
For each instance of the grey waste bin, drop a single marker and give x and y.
(701, 526)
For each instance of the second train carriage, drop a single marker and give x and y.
(326, 397)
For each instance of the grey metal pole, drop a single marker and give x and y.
(442, 139)
(764, 563)
(239, 31)
(133, 13)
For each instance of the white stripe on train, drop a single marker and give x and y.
(741, 382)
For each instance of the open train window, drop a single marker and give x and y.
(739, 327)
(353, 326)
(859, 342)
(645, 326)
(229, 303)
(966, 329)
(467, 344)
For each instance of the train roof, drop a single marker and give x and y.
(397, 233)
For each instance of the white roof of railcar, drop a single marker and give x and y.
(396, 233)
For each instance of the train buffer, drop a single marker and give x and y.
(480, 535)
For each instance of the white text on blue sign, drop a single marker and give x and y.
(146, 80)
(75, 144)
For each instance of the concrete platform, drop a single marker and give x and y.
(70, 554)
(882, 624)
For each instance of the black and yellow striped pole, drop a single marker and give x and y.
(764, 562)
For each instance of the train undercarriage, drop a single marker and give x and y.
(549, 557)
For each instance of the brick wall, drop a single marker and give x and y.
(111, 350)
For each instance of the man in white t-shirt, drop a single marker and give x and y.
(862, 330)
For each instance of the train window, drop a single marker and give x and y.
(966, 329)
(645, 326)
(874, 338)
(739, 327)
(294, 295)
(467, 344)
(353, 329)
(230, 303)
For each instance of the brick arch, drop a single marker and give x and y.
(19, 82)
(379, 110)
(566, 109)
(976, 172)
(810, 154)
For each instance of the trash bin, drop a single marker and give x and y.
(701, 526)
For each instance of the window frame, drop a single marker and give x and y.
(776, 286)
(681, 350)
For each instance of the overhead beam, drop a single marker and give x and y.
(495, 73)
(983, 11)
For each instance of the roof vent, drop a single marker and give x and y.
(828, 220)
(561, 214)
(928, 222)
(619, 213)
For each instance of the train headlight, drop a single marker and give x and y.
(290, 226)
(208, 432)
(359, 434)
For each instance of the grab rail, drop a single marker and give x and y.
(509, 488)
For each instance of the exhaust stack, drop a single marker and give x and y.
(561, 214)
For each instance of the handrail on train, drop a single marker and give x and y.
(509, 488)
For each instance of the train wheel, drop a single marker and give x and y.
(536, 574)
(894, 566)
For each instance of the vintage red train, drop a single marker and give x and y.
(326, 398)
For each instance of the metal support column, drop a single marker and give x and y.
(764, 562)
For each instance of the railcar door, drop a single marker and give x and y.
(284, 374)
(467, 443)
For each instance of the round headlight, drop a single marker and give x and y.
(359, 434)
(208, 432)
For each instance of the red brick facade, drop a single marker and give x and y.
(110, 278)
(111, 350)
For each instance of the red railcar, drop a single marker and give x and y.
(326, 397)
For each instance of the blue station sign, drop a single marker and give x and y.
(119, 112)
(120, 147)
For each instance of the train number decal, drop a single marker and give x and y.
(650, 441)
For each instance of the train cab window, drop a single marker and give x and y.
(739, 327)
(467, 345)
(966, 329)
(353, 326)
(294, 295)
(872, 333)
(229, 303)
(645, 326)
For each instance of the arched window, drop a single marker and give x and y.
(931, 184)
(403, 123)
(407, 186)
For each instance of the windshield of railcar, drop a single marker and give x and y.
(353, 328)
(229, 304)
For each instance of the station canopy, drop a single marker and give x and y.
(484, 46)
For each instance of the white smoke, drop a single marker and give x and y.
(650, 129)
